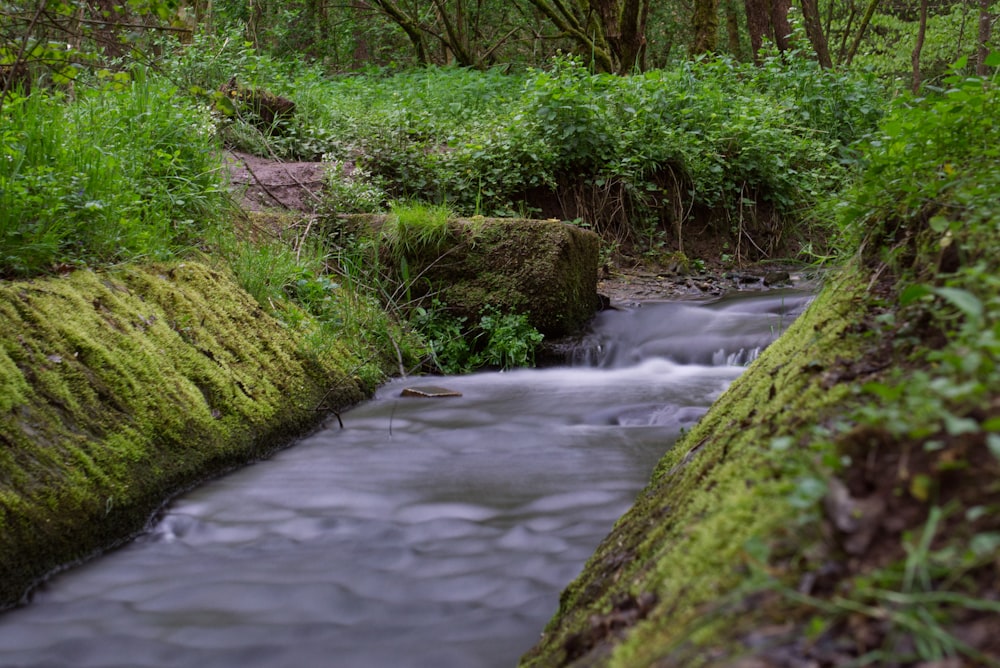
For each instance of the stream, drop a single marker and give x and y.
(427, 533)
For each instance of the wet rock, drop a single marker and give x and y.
(776, 278)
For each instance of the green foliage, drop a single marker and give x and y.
(951, 35)
(712, 138)
(122, 172)
(499, 341)
(352, 189)
(571, 111)
(272, 272)
(331, 309)
(445, 335)
(510, 340)
(925, 211)
(931, 154)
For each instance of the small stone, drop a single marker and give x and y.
(776, 278)
(429, 392)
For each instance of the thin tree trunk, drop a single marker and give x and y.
(814, 30)
(985, 28)
(732, 29)
(562, 17)
(852, 12)
(409, 26)
(865, 20)
(918, 47)
(454, 43)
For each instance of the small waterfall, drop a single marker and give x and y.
(729, 332)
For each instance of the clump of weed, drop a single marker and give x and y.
(122, 172)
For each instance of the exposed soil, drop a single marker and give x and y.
(259, 184)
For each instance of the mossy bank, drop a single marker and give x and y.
(119, 389)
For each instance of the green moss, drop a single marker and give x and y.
(720, 488)
(544, 269)
(121, 389)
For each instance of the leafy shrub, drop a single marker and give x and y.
(500, 340)
(742, 148)
(510, 340)
(933, 162)
(352, 189)
(445, 335)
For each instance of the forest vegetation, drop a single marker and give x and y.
(824, 132)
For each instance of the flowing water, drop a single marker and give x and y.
(425, 533)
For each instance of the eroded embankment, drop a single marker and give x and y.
(119, 389)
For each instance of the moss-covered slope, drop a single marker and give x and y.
(119, 389)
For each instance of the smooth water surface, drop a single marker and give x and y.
(426, 533)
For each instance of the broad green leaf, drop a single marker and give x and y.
(963, 300)
(912, 293)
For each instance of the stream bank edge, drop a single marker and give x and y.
(121, 389)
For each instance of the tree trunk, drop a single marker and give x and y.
(779, 24)
(611, 32)
(455, 43)
(758, 25)
(865, 20)
(918, 47)
(814, 30)
(632, 43)
(985, 27)
(705, 25)
(409, 26)
(851, 14)
(732, 29)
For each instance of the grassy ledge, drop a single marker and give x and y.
(122, 388)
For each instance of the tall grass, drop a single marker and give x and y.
(117, 174)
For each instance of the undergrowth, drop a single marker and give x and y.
(914, 499)
(127, 170)
(497, 341)
(742, 150)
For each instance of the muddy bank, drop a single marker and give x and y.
(119, 389)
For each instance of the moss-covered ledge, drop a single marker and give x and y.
(120, 389)
(645, 596)
(544, 269)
